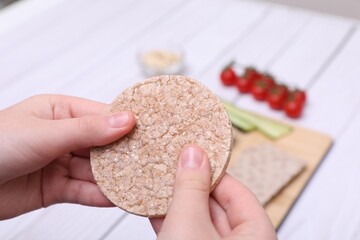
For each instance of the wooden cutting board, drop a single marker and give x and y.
(302, 143)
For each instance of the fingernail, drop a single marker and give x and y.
(191, 157)
(119, 120)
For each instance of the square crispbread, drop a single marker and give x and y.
(265, 170)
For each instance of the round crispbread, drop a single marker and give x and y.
(137, 172)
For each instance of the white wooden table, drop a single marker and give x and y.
(88, 48)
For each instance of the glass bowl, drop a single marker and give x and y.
(161, 60)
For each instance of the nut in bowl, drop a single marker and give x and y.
(161, 60)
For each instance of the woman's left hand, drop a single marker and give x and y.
(44, 151)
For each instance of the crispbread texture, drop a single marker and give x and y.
(265, 170)
(137, 172)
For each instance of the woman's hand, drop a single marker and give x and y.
(230, 212)
(44, 151)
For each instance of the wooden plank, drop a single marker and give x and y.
(42, 48)
(258, 47)
(68, 221)
(310, 50)
(132, 228)
(182, 32)
(18, 13)
(336, 92)
(14, 20)
(10, 227)
(224, 32)
(121, 69)
(302, 56)
(38, 82)
(103, 40)
(331, 200)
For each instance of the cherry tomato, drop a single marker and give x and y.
(299, 96)
(252, 74)
(244, 84)
(293, 108)
(259, 90)
(228, 76)
(276, 96)
(269, 80)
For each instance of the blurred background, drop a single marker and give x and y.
(346, 8)
(4, 3)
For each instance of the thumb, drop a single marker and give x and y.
(66, 135)
(190, 204)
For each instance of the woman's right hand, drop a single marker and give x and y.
(230, 212)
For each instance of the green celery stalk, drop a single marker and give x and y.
(240, 122)
(268, 127)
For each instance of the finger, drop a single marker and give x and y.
(156, 224)
(239, 203)
(219, 218)
(189, 208)
(85, 193)
(74, 106)
(51, 106)
(84, 152)
(192, 185)
(80, 168)
(66, 135)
